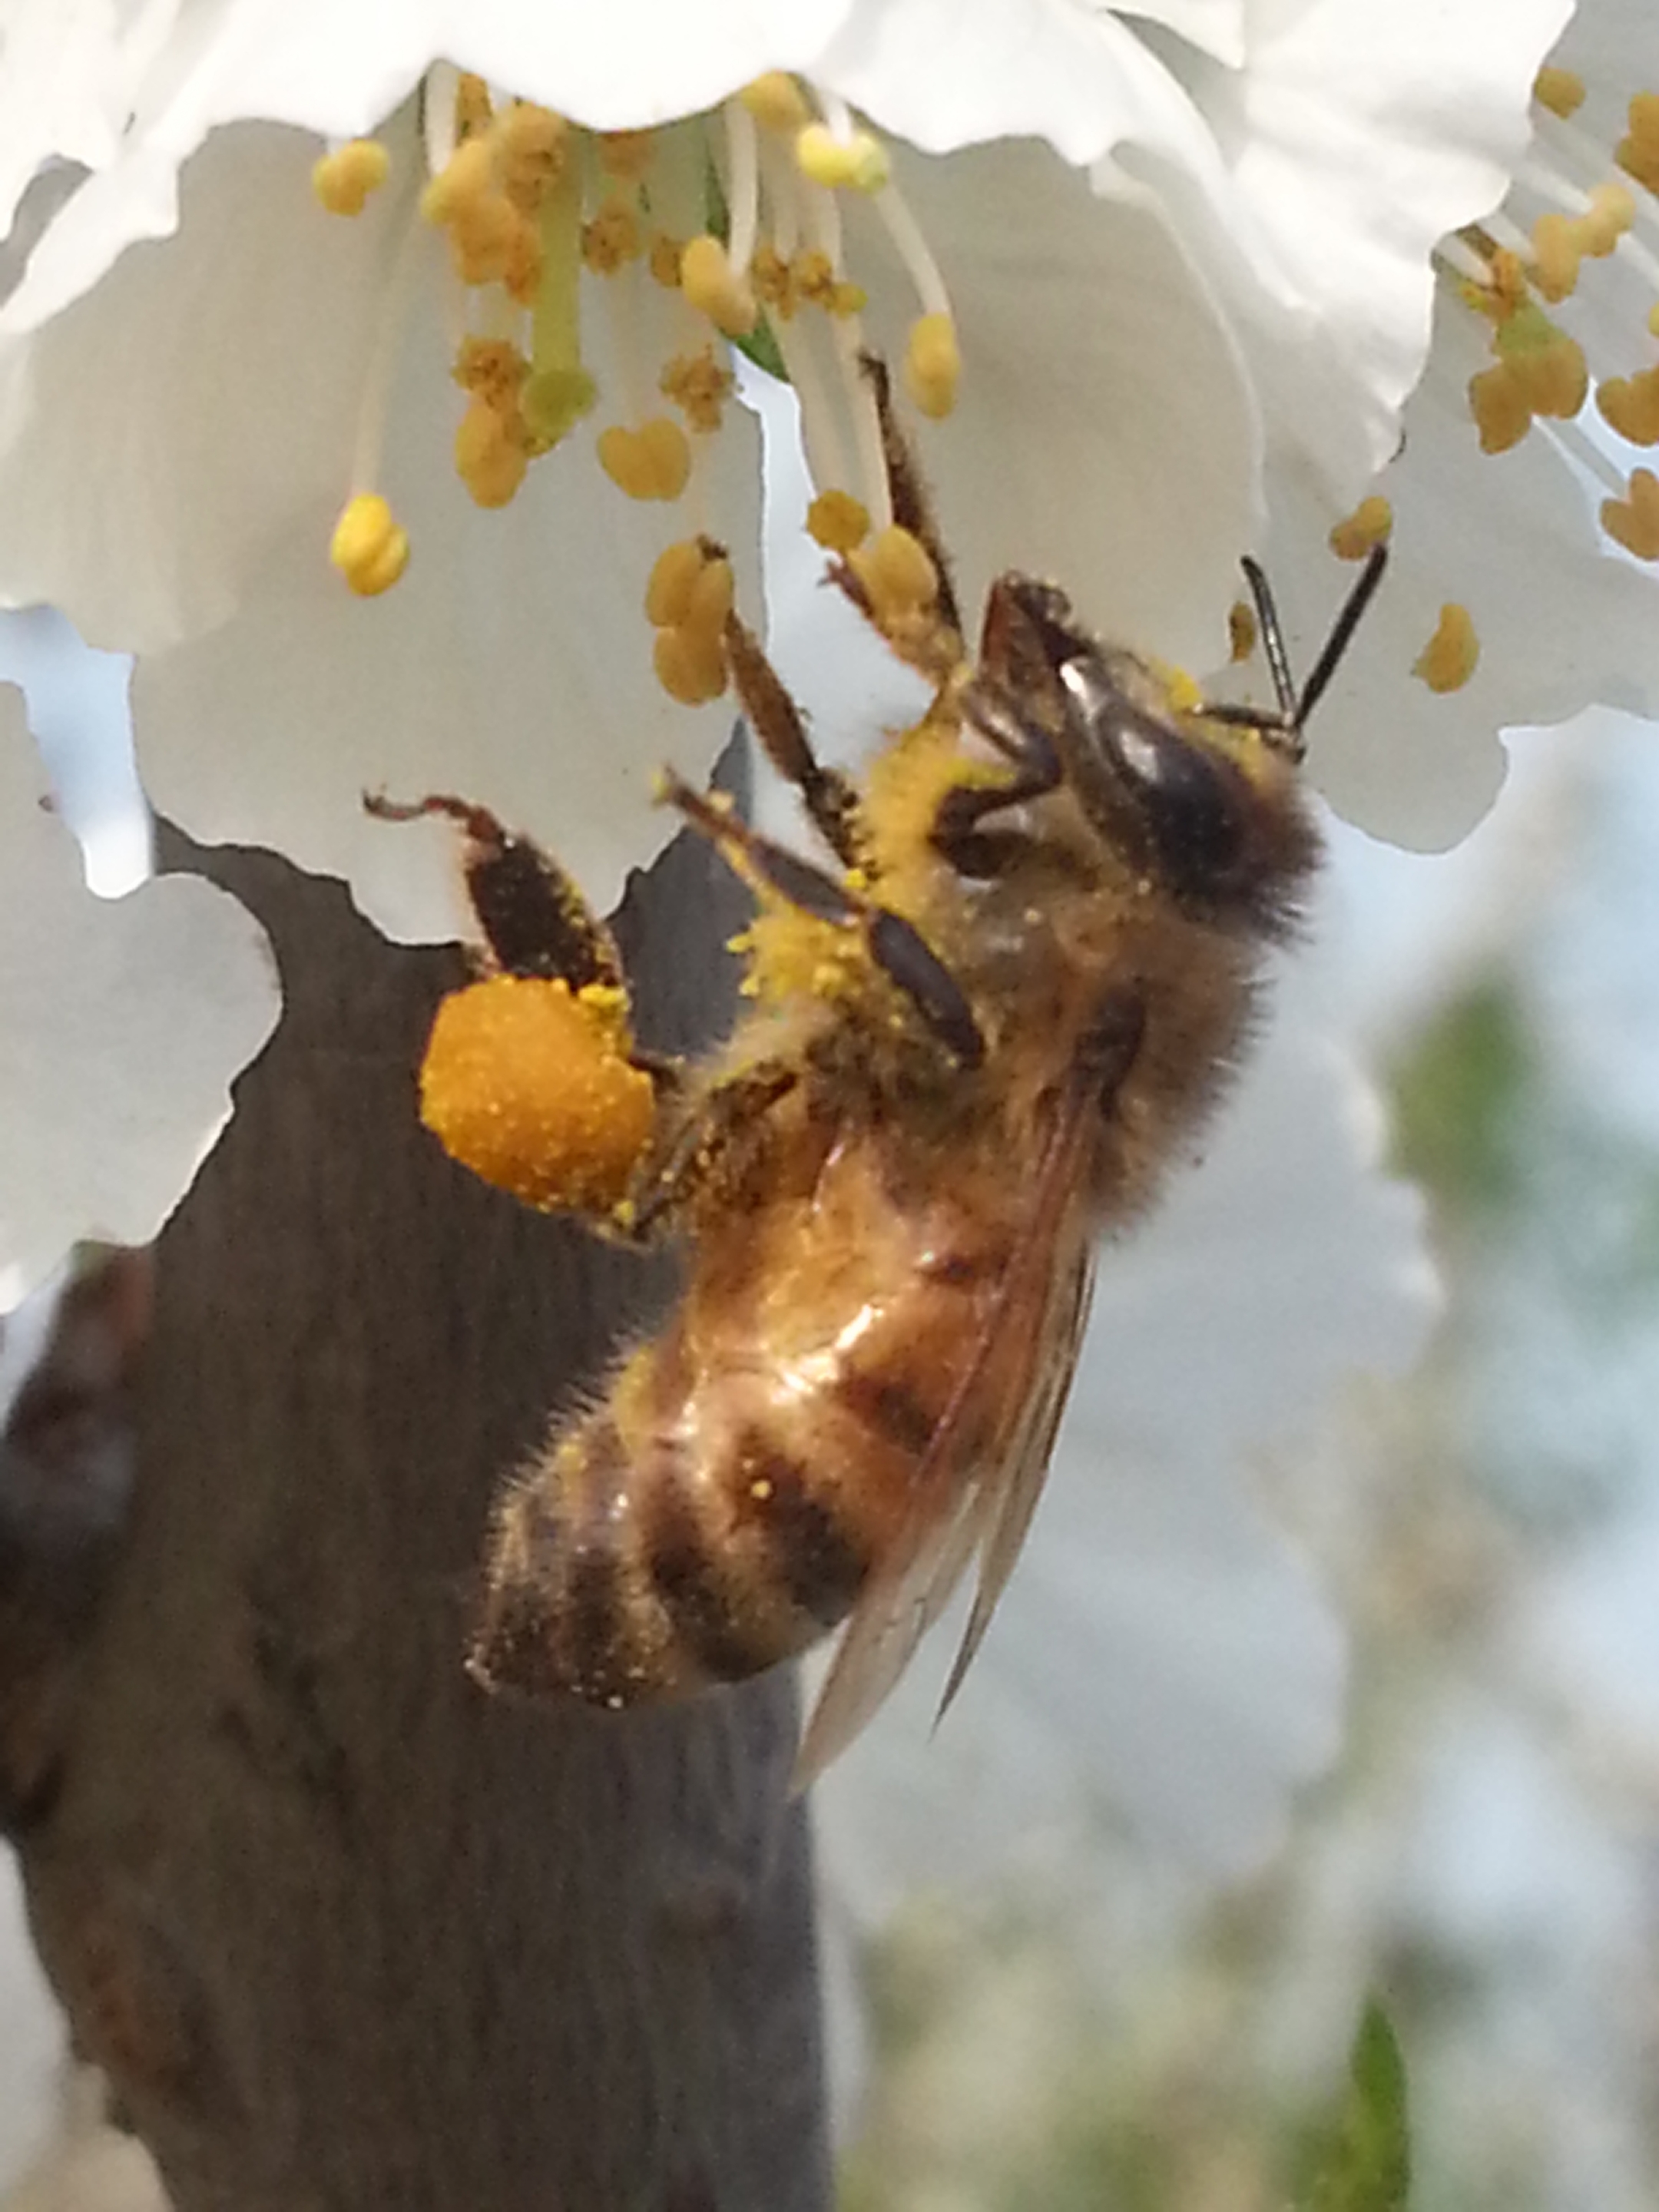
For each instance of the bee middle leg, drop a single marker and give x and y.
(895, 945)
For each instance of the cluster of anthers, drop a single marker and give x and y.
(1593, 208)
(715, 232)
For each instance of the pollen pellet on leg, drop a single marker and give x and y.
(1447, 660)
(369, 548)
(343, 180)
(529, 1084)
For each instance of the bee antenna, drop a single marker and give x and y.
(1342, 629)
(1273, 642)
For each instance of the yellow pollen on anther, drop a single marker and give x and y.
(1634, 520)
(898, 574)
(1611, 213)
(933, 366)
(776, 100)
(664, 259)
(654, 462)
(688, 598)
(368, 547)
(1447, 660)
(715, 288)
(673, 577)
(690, 665)
(1242, 630)
(1499, 408)
(531, 145)
(1358, 534)
(699, 386)
(343, 180)
(837, 521)
(491, 369)
(1637, 152)
(627, 155)
(1548, 366)
(473, 111)
(857, 162)
(611, 238)
(1558, 247)
(490, 453)
(1560, 90)
(1630, 405)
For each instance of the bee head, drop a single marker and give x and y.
(1203, 799)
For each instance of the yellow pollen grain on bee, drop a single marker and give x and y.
(1630, 405)
(343, 180)
(1560, 90)
(369, 548)
(654, 462)
(697, 384)
(1449, 660)
(933, 366)
(1243, 631)
(776, 100)
(1360, 533)
(837, 521)
(530, 1084)
(715, 288)
(857, 163)
(1637, 152)
(1633, 521)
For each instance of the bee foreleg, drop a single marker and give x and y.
(830, 797)
(705, 1148)
(534, 919)
(1038, 769)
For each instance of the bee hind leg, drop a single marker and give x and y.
(534, 919)
(707, 1146)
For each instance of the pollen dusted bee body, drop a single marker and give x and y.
(974, 1046)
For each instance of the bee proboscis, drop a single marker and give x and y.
(976, 1041)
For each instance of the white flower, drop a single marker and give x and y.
(180, 422)
(125, 1023)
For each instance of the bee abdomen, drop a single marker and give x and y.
(705, 1558)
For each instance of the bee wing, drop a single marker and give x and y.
(1034, 1318)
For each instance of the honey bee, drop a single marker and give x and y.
(975, 1042)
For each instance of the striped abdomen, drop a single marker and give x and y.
(724, 1507)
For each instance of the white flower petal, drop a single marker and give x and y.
(125, 1022)
(68, 71)
(1105, 434)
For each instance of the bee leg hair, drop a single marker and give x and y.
(830, 797)
(913, 507)
(703, 1148)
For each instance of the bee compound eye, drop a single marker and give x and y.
(1191, 803)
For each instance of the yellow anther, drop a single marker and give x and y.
(627, 155)
(530, 150)
(1447, 660)
(473, 112)
(1637, 152)
(1634, 520)
(690, 665)
(1499, 408)
(663, 260)
(715, 288)
(1557, 245)
(1653, 320)
(343, 180)
(713, 591)
(773, 279)
(654, 462)
(611, 238)
(1241, 630)
(776, 100)
(673, 578)
(1367, 527)
(490, 457)
(897, 572)
(1630, 404)
(530, 1084)
(369, 548)
(1552, 375)
(1560, 90)
(933, 366)
(492, 369)
(815, 277)
(467, 178)
(859, 162)
(554, 401)
(699, 386)
(838, 521)
(1611, 213)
